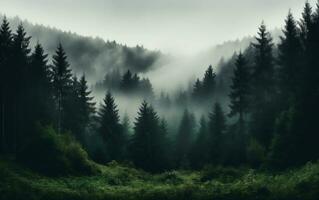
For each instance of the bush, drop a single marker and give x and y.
(55, 154)
(222, 174)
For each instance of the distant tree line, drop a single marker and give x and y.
(271, 118)
(127, 83)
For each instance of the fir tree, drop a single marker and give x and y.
(290, 60)
(5, 45)
(209, 83)
(62, 80)
(197, 91)
(263, 88)
(305, 23)
(19, 64)
(41, 92)
(217, 128)
(184, 139)
(127, 83)
(111, 129)
(240, 90)
(309, 98)
(86, 107)
(146, 147)
(201, 148)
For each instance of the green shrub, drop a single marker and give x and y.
(171, 177)
(219, 173)
(55, 154)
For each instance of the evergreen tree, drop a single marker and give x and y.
(40, 87)
(240, 90)
(217, 128)
(201, 148)
(209, 83)
(5, 45)
(111, 129)
(184, 139)
(127, 83)
(310, 96)
(165, 144)
(198, 91)
(146, 89)
(19, 70)
(71, 107)
(305, 23)
(146, 145)
(289, 61)
(62, 83)
(86, 107)
(239, 105)
(263, 88)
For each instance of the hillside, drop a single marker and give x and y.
(94, 56)
(120, 182)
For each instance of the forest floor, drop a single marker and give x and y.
(119, 182)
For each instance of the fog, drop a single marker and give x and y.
(191, 35)
(172, 26)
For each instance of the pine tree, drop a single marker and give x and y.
(127, 82)
(197, 91)
(201, 148)
(305, 23)
(19, 68)
(146, 147)
(184, 139)
(209, 83)
(240, 90)
(289, 61)
(111, 129)
(41, 88)
(5, 45)
(165, 145)
(86, 107)
(310, 96)
(263, 88)
(146, 89)
(217, 128)
(62, 84)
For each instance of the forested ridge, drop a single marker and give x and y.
(229, 138)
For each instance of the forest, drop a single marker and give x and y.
(246, 131)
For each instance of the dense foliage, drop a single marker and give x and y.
(267, 120)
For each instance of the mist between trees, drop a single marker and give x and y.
(259, 110)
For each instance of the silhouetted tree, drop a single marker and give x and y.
(19, 68)
(217, 128)
(40, 92)
(5, 45)
(146, 145)
(200, 154)
(62, 82)
(198, 91)
(111, 129)
(209, 83)
(87, 106)
(184, 139)
(289, 61)
(240, 91)
(263, 88)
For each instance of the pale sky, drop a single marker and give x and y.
(186, 26)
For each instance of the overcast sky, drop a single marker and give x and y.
(169, 25)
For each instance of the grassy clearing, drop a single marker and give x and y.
(119, 182)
